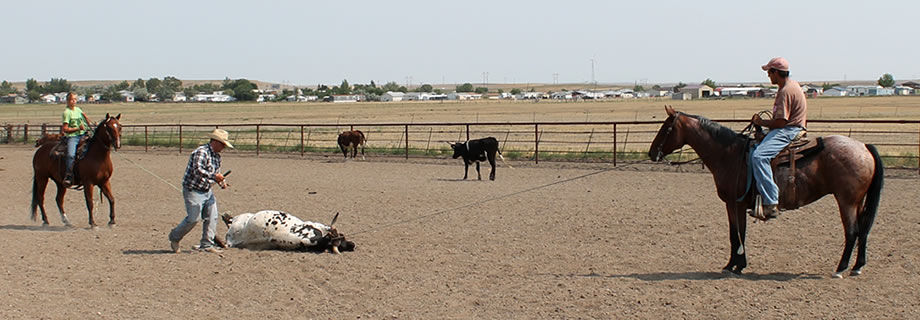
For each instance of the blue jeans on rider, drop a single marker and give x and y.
(198, 205)
(72, 152)
(775, 141)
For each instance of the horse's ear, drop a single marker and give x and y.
(107, 116)
(670, 110)
(118, 117)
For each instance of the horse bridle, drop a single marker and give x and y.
(109, 132)
(660, 155)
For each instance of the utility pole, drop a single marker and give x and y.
(592, 75)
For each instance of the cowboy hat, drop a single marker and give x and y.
(222, 136)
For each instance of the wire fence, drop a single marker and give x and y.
(613, 142)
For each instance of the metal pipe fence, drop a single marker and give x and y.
(612, 142)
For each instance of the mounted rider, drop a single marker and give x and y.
(74, 125)
(789, 118)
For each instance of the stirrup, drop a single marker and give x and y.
(757, 211)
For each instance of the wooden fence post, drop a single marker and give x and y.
(467, 132)
(9, 134)
(301, 141)
(258, 138)
(536, 143)
(180, 139)
(145, 138)
(614, 144)
(407, 141)
(44, 128)
(25, 133)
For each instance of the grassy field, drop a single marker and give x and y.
(564, 142)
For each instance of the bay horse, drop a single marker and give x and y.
(351, 139)
(848, 169)
(94, 169)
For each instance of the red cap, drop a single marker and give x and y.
(777, 63)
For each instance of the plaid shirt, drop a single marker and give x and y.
(202, 166)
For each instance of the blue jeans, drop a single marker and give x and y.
(775, 141)
(72, 152)
(198, 205)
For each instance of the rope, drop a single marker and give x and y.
(150, 172)
(443, 211)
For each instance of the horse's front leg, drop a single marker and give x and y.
(107, 191)
(737, 227)
(59, 199)
(88, 194)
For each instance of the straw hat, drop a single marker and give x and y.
(222, 136)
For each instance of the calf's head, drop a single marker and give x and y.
(459, 149)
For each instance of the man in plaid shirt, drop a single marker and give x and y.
(202, 170)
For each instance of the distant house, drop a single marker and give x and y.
(528, 95)
(752, 92)
(835, 92)
(464, 96)
(660, 92)
(126, 96)
(301, 98)
(903, 91)
(265, 97)
(14, 99)
(561, 95)
(911, 84)
(179, 97)
(345, 98)
(216, 96)
(681, 96)
(49, 98)
(697, 91)
(392, 96)
(862, 90)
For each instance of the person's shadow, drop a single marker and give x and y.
(37, 228)
(664, 276)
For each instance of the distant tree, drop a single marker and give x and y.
(7, 88)
(344, 88)
(165, 93)
(189, 92)
(372, 85)
(425, 88)
(141, 94)
(390, 86)
(656, 87)
(153, 84)
(172, 82)
(58, 85)
(828, 86)
(679, 86)
(124, 86)
(227, 83)
(229, 92)
(33, 95)
(243, 90)
(111, 93)
(32, 85)
(708, 82)
(500, 91)
(402, 89)
(638, 88)
(139, 83)
(439, 91)
(515, 91)
(466, 87)
(481, 90)
(887, 80)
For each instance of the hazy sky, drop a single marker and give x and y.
(310, 42)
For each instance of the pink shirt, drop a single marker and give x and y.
(790, 104)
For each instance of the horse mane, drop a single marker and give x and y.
(91, 140)
(719, 133)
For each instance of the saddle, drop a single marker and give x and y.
(800, 147)
(59, 152)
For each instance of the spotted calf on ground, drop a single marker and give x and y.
(277, 230)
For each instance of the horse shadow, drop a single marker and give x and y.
(665, 276)
(454, 180)
(134, 252)
(36, 228)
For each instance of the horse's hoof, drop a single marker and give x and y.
(727, 270)
(837, 275)
(45, 225)
(855, 272)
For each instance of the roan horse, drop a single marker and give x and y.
(848, 169)
(94, 169)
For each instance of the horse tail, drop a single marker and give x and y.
(35, 196)
(874, 194)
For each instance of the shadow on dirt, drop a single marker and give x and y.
(663, 276)
(36, 228)
(147, 252)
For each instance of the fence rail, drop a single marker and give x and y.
(607, 141)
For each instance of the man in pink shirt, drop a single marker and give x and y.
(789, 116)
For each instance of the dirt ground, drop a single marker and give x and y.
(553, 240)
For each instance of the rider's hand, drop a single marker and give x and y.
(81, 127)
(219, 177)
(756, 120)
(223, 184)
